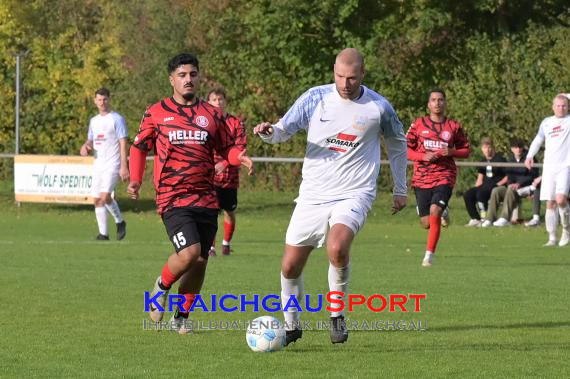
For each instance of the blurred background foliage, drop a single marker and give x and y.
(501, 63)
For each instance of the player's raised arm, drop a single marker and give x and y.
(298, 117)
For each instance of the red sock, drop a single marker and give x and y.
(168, 278)
(188, 303)
(228, 231)
(433, 234)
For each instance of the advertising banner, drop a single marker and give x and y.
(53, 179)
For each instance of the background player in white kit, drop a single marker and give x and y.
(344, 122)
(107, 137)
(555, 130)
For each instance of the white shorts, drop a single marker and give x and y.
(104, 181)
(554, 183)
(310, 222)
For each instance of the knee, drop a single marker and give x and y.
(561, 201)
(201, 263)
(189, 256)
(424, 224)
(290, 269)
(338, 255)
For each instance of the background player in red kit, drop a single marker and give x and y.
(226, 180)
(183, 132)
(433, 142)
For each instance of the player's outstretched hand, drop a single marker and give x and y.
(124, 173)
(247, 162)
(133, 190)
(529, 162)
(399, 203)
(265, 128)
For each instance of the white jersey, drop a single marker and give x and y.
(556, 132)
(105, 132)
(342, 158)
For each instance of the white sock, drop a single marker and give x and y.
(428, 256)
(563, 212)
(536, 217)
(550, 220)
(225, 243)
(101, 215)
(338, 281)
(291, 287)
(114, 210)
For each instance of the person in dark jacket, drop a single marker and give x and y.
(488, 177)
(518, 179)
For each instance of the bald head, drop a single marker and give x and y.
(560, 105)
(350, 57)
(348, 73)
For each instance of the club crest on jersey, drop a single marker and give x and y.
(359, 123)
(202, 121)
(342, 142)
(445, 135)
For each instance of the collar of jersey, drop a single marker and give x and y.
(184, 106)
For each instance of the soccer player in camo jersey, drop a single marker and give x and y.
(433, 143)
(344, 122)
(183, 132)
(107, 138)
(554, 131)
(226, 180)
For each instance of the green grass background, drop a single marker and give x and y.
(497, 301)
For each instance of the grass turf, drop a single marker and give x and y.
(71, 307)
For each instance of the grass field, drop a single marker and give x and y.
(497, 302)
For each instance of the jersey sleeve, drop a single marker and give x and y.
(297, 117)
(224, 140)
(396, 146)
(147, 134)
(536, 142)
(460, 139)
(240, 137)
(90, 131)
(120, 126)
(412, 137)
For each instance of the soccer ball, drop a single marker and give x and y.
(265, 334)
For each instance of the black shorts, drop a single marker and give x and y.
(191, 225)
(425, 197)
(227, 198)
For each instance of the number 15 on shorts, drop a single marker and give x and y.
(179, 240)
